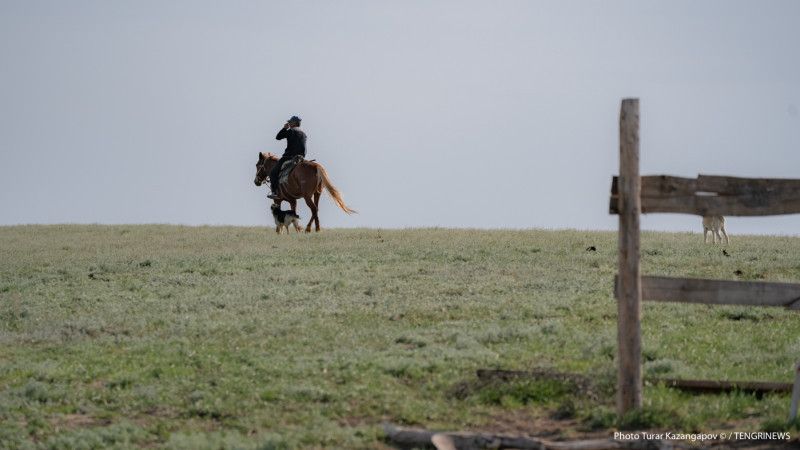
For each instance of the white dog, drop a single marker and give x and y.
(714, 224)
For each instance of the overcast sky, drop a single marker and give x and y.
(483, 114)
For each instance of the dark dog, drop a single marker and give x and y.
(284, 218)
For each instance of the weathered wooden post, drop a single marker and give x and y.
(629, 298)
(795, 392)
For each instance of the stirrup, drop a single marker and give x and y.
(274, 196)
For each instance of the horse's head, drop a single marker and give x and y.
(263, 166)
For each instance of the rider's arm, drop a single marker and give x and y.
(285, 132)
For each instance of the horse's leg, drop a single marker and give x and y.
(316, 208)
(314, 217)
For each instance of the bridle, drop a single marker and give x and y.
(261, 174)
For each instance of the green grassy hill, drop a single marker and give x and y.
(217, 337)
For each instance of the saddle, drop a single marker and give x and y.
(286, 169)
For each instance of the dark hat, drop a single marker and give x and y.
(295, 119)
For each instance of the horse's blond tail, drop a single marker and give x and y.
(332, 191)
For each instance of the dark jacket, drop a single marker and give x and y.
(295, 141)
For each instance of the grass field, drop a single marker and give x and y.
(177, 337)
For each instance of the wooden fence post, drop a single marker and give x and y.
(629, 300)
(795, 392)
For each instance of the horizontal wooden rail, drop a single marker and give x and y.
(718, 292)
(715, 195)
(759, 387)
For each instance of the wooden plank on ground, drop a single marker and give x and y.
(719, 292)
(444, 440)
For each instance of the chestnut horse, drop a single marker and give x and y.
(306, 181)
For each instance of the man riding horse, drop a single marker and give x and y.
(295, 145)
(307, 179)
